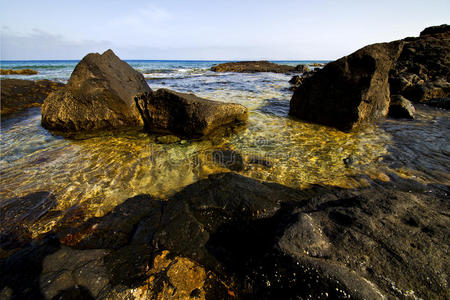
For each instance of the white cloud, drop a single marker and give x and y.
(39, 44)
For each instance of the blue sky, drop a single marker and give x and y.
(209, 30)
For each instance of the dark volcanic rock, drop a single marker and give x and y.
(350, 91)
(231, 236)
(272, 240)
(253, 67)
(115, 229)
(421, 73)
(433, 30)
(296, 80)
(401, 108)
(440, 102)
(302, 68)
(18, 94)
(99, 95)
(186, 114)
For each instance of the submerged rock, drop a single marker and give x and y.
(99, 95)
(253, 67)
(401, 108)
(186, 114)
(350, 91)
(18, 94)
(18, 72)
(168, 139)
(229, 159)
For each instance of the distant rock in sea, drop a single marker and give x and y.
(99, 95)
(186, 114)
(18, 72)
(18, 94)
(356, 89)
(254, 67)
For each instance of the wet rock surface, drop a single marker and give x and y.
(231, 236)
(99, 95)
(186, 114)
(253, 67)
(18, 94)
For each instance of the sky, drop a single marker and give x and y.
(209, 29)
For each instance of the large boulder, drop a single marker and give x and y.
(253, 67)
(99, 95)
(186, 114)
(18, 94)
(350, 91)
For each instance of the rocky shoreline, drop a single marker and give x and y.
(228, 236)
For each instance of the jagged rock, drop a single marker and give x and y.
(296, 80)
(18, 94)
(433, 30)
(400, 107)
(186, 114)
(99, 95)
(421, 71)
(253, 67)
(350, 91)
(302, 68)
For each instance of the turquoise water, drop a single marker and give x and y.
(60, 70)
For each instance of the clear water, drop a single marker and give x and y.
(102, 171)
